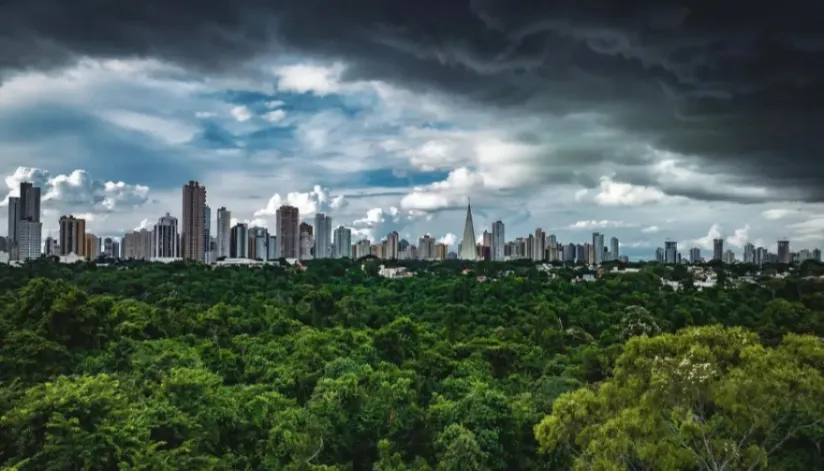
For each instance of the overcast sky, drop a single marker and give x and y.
(641, 120)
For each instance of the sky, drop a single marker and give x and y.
(645, 121)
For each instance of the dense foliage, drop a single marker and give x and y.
(175, 367)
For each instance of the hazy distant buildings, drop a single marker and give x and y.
(717, 249)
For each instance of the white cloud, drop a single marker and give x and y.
(308, 203)
(275, 116)
(706, 242)
(740, 237)
(205, 114)
(613, 193)
(650, 230)
(602, 224)
(78, 191)
(454, 191)
(449, 239)
(241, 113)
(778, 213)
(304, 78)
(275, 104)
(168, 130)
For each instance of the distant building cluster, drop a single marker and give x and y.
(191, 239)
(752, 254)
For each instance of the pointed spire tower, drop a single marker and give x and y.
(468, 240)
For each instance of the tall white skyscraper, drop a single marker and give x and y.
(468, 251)
(224, 231)
(28, 239)
(343, 242)
(539, 245)
(165, 238)
(598, 247)
(323, 235)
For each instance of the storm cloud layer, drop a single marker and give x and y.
(731, 89)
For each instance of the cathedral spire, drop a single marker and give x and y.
(468, 251)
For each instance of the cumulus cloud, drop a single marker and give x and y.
(78, 191)
(308, 203)
(706, 242)
(650, 230)
(740, 237)
(449, 239)
(450, 193)
(602, 224)
(614, 193)
(241, 113)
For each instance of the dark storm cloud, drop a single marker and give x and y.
(741, 87)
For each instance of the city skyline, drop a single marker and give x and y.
(295, 237)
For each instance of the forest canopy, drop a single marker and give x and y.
(141, 366)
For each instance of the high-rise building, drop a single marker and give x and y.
(498, 241)
(28, 239)
(659, 255)
(749, 253)
(51, 247)
(14, 216)
(272, 248)
(392, 245)
(29, 202)
(207, 231)
(323, 236)
(728, 257)
(92, 243)
(224, 229)
(614, 247)
(193, 230)
(343, 242)
(817, 255)
(239, 245)
(426, 247)
(467, 250)
(717, 249)
(598, 247)
(539, 245)
(306, 241)
(695, 255)
(288, 223)
(165, 238)
(258, 243)
(784, 255)
(72, 236)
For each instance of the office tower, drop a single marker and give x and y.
(137, 245)
(224, 228)
(614, 247)
(486, 239)
(784, 255)
(72, 236)
(717, 249)
(467, 250)
(539, 245)
(51, 248)
(28, 239)
(441, 251)
(498, 241)
(239, 243)
(258, 243)
(116, 249)
(108, 247)
(695, 255)
(670, 251)
(659, 255)
(92, 244)
(728, 257)
(165, 238)
(207, 231)
(323, 235)
(817, 255)
(392, 246)
(426, 247)
(287, 219)
(306, 236)
(14, 216)
(598, 248)
(749, 253)
(343, 242)
(29, 202)
(192, 230)
(272, 247)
